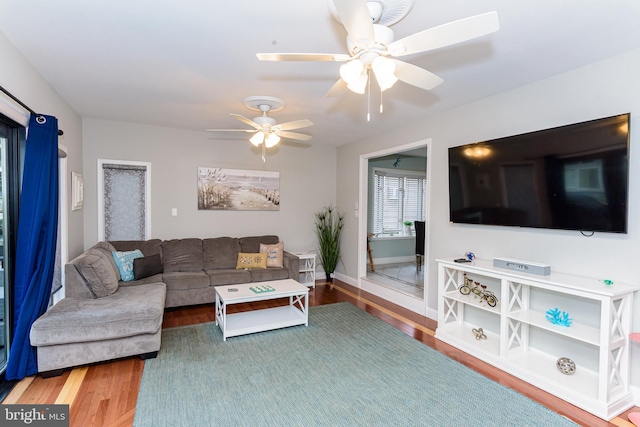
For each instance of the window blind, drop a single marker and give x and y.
(398, 196)
(124, 201)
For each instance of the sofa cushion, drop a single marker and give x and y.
(275, 254)
(147, 266)
(223, 277)
(97, 271)
(269, 274)
(124, 262)
(133, 310)
(182, 255)
(258, 260)
(147, 247)
(220, 252)
(185, 280)
(252, 244)
(107, 248)
(151, 279)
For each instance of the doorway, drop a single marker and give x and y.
(394, 191)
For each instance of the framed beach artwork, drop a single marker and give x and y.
(238, 190)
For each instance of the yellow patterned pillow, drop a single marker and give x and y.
(275, 257)
(251, 261)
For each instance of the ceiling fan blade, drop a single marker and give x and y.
(250, 122)
(446, 34)
(355, 16)
(416, 76)
(297, 124)
(303, 57)
(294, 135)
(339, 88)
(230, 130)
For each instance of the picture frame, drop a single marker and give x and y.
(77, 191)
(238, 190)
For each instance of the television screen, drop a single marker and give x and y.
(572, 177)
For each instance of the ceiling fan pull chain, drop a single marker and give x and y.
(381, 107)
(264, 148)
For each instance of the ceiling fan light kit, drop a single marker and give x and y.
(351, 71)
(384, 69)
(257, 138)
(271, 140)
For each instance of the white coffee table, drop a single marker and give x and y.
(248, 322)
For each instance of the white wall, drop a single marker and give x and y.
(307, 181)
(23, 81)
(602, 89)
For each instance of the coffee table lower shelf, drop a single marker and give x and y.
(249, 322)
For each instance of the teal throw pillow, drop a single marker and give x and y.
(124, 262)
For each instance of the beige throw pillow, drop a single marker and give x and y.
(251, 261)
(275, 254)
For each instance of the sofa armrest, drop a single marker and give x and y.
(292, 263)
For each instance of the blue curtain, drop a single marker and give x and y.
(36, 247)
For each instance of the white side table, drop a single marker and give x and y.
(307, 268)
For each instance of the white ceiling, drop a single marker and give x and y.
(188, 64)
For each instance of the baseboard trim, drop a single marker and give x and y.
(346, 279)
(394, 260)
(635, 390)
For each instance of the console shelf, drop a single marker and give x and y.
(521, 341)
(473, 300)
(576, 331)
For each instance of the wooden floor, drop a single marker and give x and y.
(105, 394)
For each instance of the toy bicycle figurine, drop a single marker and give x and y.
(468, 286)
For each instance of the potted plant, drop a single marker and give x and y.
(329, 225)
(407, 226)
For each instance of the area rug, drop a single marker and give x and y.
(347, 368)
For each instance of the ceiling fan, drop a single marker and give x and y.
(267, 132)
(371, 45)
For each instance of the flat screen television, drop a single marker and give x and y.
(573, 177)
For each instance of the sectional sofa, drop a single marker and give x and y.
(107, 316)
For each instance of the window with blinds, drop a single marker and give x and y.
(398, 196)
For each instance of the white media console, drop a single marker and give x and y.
(521, 341)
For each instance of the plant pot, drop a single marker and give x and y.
(329, 277)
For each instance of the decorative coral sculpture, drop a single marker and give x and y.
(558, 317)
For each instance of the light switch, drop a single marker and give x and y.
(174, 211)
